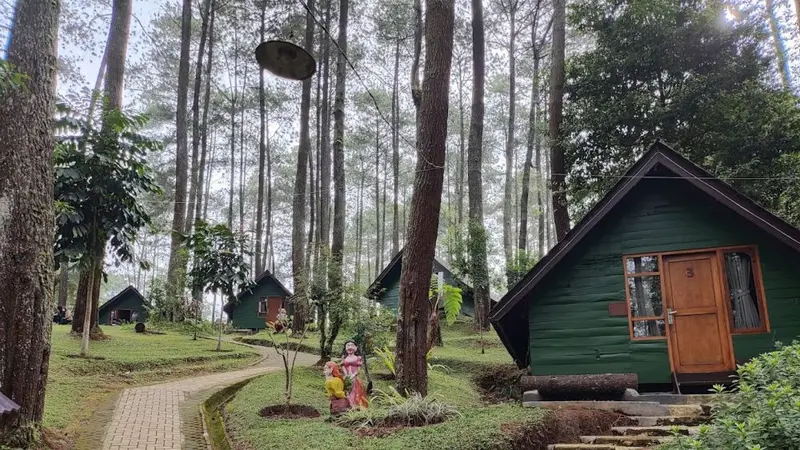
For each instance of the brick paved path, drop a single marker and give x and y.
(150, 417)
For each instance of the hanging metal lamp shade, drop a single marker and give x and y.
(286, 60)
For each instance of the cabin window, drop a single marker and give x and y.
(645, 301)
(739, 278)
(743, 291)
(262, 306)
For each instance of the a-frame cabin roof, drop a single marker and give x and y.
(375, 287)
(509, 316)
(130, 290)
(266, 276)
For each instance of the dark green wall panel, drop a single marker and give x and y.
(570, 331)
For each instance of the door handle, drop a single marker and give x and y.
(670, 313)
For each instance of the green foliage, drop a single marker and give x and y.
(691, 79)
(387, 358)
(100, 177)
(10, 78)
(220, 257)
(447, 297)
(414, 409)
(371, 331)
(520, 266)
(162, 307)
(762, 411)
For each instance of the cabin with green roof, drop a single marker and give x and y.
(260, 304)
(129, 306)
(385, 290)
(674, 276)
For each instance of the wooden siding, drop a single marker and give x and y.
(245, 313)
(570, 330)
(390, 294)
(129, 301)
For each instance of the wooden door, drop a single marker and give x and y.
(273, 306)
(698, 332)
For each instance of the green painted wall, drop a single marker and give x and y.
(129, 301)
(390, 297)
(570, 330)
(245, 313)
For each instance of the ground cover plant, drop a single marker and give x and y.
(76, 386)
(761, 411)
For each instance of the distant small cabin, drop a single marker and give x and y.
(259, 304)
(385, 290)
(674, 276)
(129, 306)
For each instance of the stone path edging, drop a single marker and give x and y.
(157, 417)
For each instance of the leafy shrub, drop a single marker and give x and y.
(390, 409)
(761, 411)
(413, 410)
(361, 418)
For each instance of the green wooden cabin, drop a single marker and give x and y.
(385, 290)
(129, 306)
(674, 276)
(259, 304)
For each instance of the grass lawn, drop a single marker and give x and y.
(76, 386)
(480, 426)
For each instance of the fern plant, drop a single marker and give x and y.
(387, 358)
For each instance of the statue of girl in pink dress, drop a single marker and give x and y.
(351, 363)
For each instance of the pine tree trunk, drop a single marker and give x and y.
(63, 286)
(415, 277)
(556, 117)
(194, 187)
(378, 262)
(479, 269)
(533, 142)
(268, 238)
(416, 92)
(324, 168)
(462, 147)
(26, 218)
(262, 153)
(508, 203)
(177, 261)
(780, 48)
(335, 282)
(202, 180)
(299, 269)
(359, 226)
(241, 153)
(396, 151)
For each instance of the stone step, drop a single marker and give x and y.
(590, 447)
(626, 441)
(671, 399)
(629, 408)
(645, 421)
(688, 410)
(657, 430)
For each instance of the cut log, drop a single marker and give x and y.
(139, 327)
(580, 387)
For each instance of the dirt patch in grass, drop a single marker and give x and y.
(499, 383)
(289, 412)
(563, 426)
(93, 358)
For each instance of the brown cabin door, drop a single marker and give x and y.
(273, 306)
(699, 340)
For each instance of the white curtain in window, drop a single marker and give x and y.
(745, 312)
